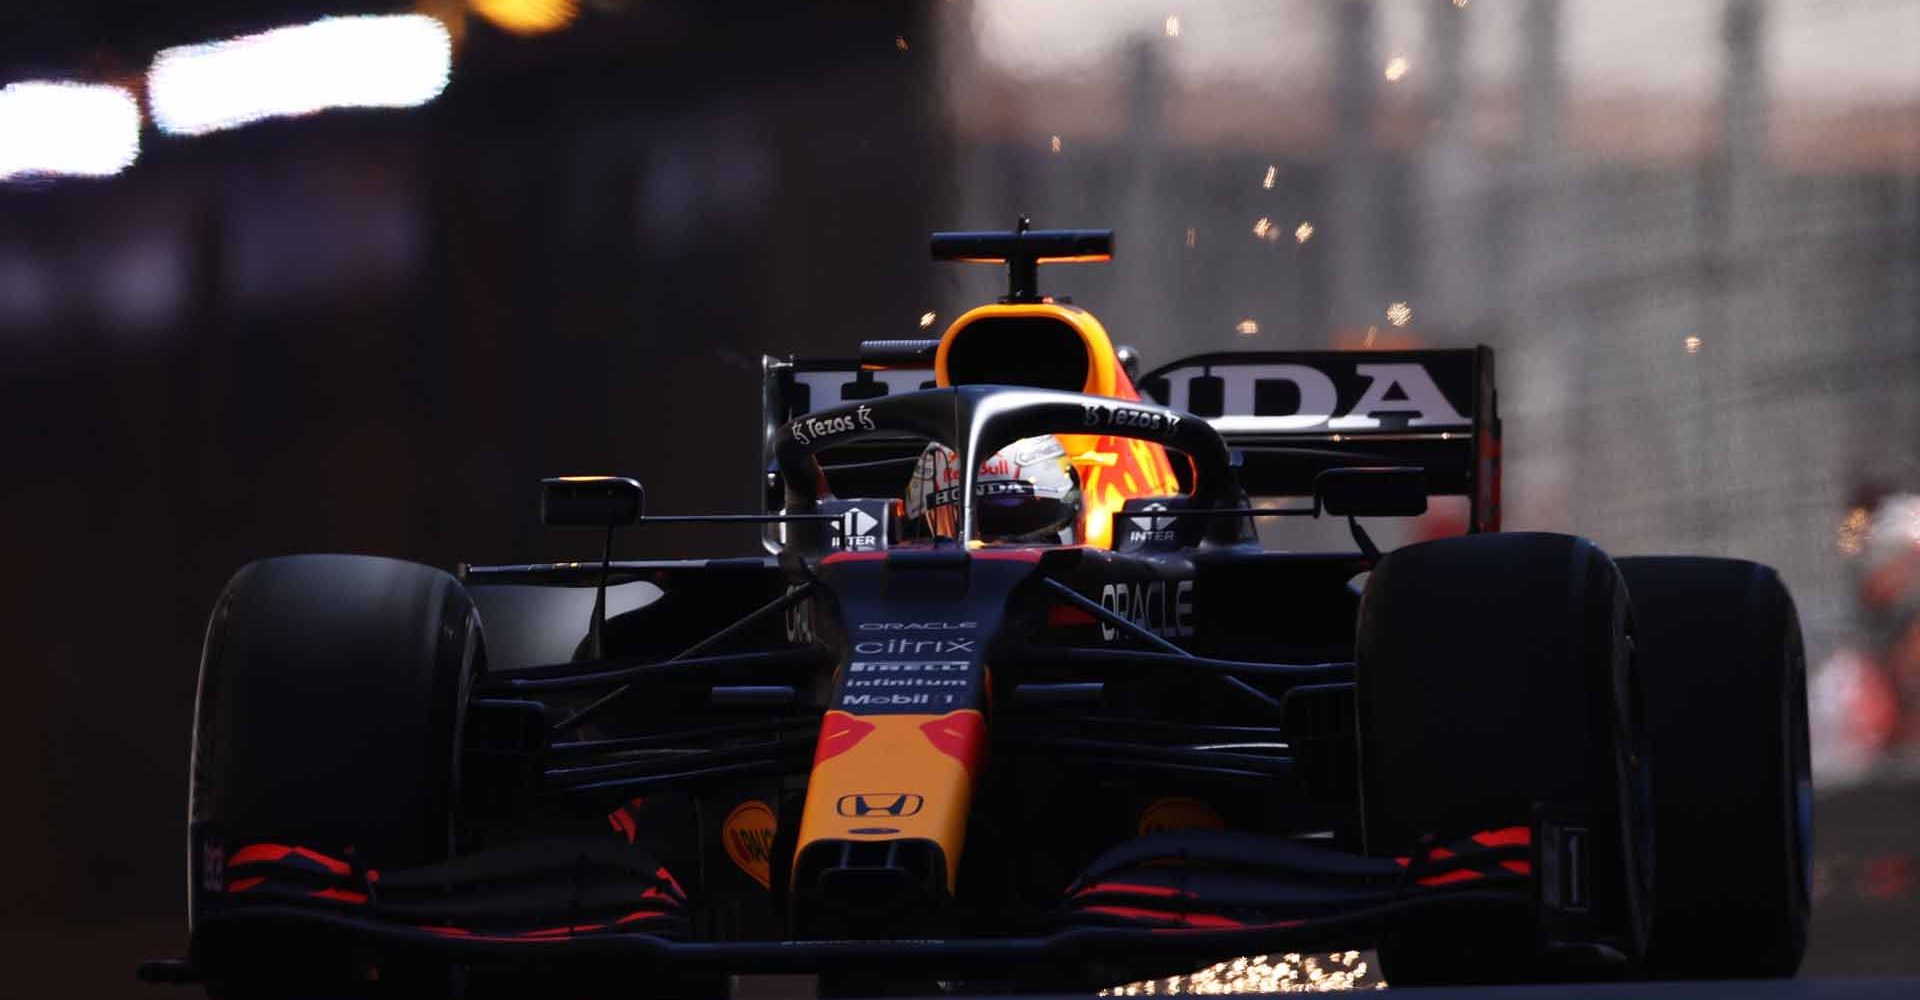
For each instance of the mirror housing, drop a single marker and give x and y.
(591, 502)
(1374, 491)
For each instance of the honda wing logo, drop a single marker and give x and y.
(1309, 398)
(893, 804)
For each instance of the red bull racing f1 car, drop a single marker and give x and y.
(1015, 699)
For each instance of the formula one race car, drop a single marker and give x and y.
(1015, 700)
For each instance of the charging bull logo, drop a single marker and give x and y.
(747, 834)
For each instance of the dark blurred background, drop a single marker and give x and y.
(1691, 231)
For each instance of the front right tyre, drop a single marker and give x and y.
(1494, 677)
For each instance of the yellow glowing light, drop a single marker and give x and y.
(1055, 143)
(1397, 68)
(1173, 26)
(1373, 332)
(926, 320)
(1460, 3)
(1267, 181)
(1290, 973)
(1853, 532)
(1692, 344)
(528, 17)
(1303, 232)
(1399, 314)
(1246, 327)
(900, 42)
(1261, 226)
(1192, 237)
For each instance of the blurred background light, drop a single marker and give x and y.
(1399, 314)
(59, 129)
(1303, 232)
(1397, 69)
(400, 61)
(528, 17)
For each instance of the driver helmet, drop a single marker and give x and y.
(1026, 492)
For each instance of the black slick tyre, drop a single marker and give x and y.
(329, 717)
(1494, 678)
(1726, 685)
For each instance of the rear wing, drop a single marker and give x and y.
(1292, 414)
(1289, 415)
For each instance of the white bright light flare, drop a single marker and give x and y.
(58, 129)
(398, 61)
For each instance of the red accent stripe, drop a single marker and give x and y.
(840, 557)
(839, 733)
(666, 876)
(550, 932)
(1509, 836)
(1518, 867)
(1276, 925)
(268, 853)
(1459, 875)
(243, 884)
(961, 735)
(339, 895)
(331, 865)
(1437, 854)
(1065, 615)
(256, 853)
(1208, 920)
(1164, 891)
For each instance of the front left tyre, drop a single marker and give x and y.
(329, 716)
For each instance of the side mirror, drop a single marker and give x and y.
(1387, 491)
(591, 502)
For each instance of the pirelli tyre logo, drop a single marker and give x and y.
(889, 804)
